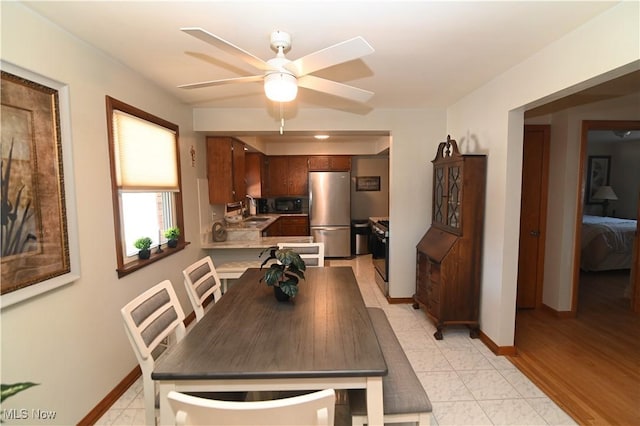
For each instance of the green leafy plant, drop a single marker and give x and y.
(143, 243)
(14, 230)
(172, 233)
(286, 272)
(7, 390)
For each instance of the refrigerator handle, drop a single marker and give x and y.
(310, 200)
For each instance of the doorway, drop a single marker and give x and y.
(634, 287)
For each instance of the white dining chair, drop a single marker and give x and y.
(311, 253)
(149, 319)
(202, 281)
(316, 408)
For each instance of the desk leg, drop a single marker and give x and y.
(166, 414)
(375, 409)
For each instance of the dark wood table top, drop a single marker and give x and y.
(325, 331)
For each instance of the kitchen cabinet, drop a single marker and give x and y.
(287, 175)
(273, 230)
(448, 258)
(225, 170)
(255, 172)
(288, 226)
(330, 163)
(294, 226)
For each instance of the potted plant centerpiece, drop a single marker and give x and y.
(144, 245)
(172, 235)
(285, 274)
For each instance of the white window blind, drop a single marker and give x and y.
(145, 155)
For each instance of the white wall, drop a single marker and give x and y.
(71, 340)
(605, 47)
(365, 204)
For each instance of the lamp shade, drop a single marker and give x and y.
(280, 87)
(605, 193)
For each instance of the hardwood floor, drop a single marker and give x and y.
(589, 365)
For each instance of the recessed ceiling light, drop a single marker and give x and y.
(321, 137)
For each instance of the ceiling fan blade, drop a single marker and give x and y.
(228, 47)
(354, 48)
(248, 79)
(334, 88)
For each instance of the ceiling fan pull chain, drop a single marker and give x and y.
(281, 120)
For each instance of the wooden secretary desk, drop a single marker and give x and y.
(448, 259)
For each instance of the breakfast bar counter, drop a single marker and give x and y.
(259, 243)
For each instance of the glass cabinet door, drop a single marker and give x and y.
(454, 191)
(439, 194)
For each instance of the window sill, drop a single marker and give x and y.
(141, 263)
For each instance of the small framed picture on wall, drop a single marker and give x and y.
(368, 183)
(597, 175)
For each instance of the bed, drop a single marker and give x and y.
(607, 243)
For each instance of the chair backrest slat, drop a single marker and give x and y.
(311, 253)
(201, 281)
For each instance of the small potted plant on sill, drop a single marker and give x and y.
(144, 245)
(172, 235)
(285, 274)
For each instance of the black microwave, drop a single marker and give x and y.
(288, 205)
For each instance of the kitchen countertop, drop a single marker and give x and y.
(377, 218)
(248, 234)
(260, 243)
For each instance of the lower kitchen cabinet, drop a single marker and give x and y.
(294, 226)
(288, 226)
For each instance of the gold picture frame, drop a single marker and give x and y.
(35, 231)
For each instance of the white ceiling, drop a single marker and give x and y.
(427, 53)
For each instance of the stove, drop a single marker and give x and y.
(380, 252)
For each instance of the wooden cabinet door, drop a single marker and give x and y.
(278, 175)
(219, 170)
(239, 182)
(298, 176)
(294, 226)
(321, 163)
(340, 163)
(273, 230)
(255, 174)
(225, 170)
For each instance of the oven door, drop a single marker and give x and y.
(379, 254)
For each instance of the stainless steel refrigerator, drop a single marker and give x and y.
(330, 211)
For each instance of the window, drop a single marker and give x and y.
(145, 182)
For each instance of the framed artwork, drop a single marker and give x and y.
(368, 183)
(36, 251)
(597, 175)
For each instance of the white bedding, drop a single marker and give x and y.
(607, 243)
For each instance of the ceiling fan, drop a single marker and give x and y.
(282, 77)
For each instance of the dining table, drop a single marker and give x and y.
(248, 341)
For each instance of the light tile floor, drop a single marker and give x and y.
(466, 382)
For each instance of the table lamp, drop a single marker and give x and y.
(605, 193)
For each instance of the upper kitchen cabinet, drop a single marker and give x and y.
(330, 163)
(225, 170)
(255, 169)
(287, 175)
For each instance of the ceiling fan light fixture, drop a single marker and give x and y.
(280, 87)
